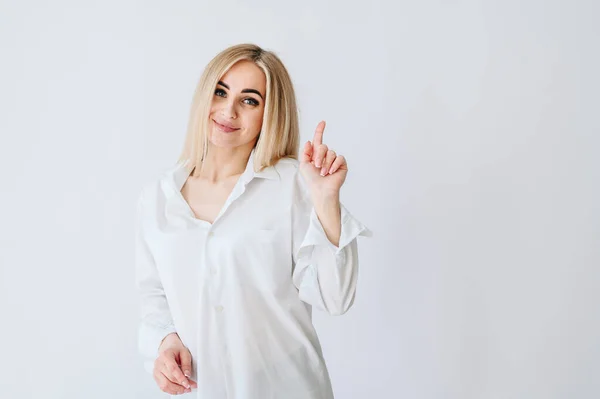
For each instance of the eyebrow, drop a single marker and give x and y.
(243, 91)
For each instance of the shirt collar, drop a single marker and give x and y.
(181, 172)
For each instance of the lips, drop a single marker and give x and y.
(224, 127)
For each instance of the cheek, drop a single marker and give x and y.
(259, 119)
(216, 105)
(255, 120)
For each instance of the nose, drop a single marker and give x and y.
(228, 111)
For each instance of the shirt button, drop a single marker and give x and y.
(219, 308)
(211, 234)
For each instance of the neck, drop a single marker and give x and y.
(223, 163)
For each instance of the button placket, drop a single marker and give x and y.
(218, 308)
(212, 272)
(211, 269)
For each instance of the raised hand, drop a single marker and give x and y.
(323, 170)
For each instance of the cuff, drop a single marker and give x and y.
(150, 338)
(350, 229)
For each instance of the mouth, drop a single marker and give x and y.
(225, 128)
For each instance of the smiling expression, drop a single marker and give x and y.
(236, 112)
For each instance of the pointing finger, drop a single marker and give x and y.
(318, 139)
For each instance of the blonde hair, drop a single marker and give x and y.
(280, 132)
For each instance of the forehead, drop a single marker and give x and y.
(245, 75)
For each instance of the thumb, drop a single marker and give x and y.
(307, 151)
(186, 362)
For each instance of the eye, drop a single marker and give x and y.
(251, 101)
(220, 92)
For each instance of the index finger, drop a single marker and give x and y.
(318, 139)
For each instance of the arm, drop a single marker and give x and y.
(156, 321)
(324, 273)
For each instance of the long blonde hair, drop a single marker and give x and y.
(280, 132)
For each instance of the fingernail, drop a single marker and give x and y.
(186, 373)
(323, 171)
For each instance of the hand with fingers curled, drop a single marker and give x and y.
(173, 366)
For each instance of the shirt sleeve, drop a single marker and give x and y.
(325, 275)
(155, 321)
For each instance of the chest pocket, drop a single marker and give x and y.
(262, 260)
(265, 235)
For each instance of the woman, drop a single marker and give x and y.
(239, 240)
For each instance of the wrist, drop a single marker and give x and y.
(326, 198)
(168, 340)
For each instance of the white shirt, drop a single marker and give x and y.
(239, 292)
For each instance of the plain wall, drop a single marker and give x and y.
(471, 131)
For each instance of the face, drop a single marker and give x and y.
(236, 112)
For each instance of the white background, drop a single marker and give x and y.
(471, 131)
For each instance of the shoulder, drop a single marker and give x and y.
(287, 167)
(289, 170)
(154, 185)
